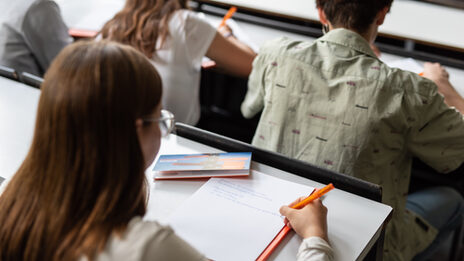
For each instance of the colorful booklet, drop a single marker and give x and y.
(187, 166)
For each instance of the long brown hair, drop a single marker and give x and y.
(83, 178)
(141, 22)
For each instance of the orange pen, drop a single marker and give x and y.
(228, 15)
(284, 231)
(317, 194)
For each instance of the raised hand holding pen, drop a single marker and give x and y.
(223, 28)
(308, 221)
(228, 15)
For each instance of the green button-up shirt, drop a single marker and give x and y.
(334, 104)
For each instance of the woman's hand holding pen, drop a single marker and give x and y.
(308, 221)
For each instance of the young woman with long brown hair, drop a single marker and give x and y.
(176, 39)
(81, 191)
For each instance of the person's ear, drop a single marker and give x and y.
(322, 16)
(381, 15)
(138, 124)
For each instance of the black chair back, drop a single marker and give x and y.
(8, 72)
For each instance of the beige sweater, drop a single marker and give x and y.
(148, 240)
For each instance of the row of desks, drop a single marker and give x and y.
(91, 15)
(413, 20)
(355, 223)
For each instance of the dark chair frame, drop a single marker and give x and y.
(31, 79)
(8, 72)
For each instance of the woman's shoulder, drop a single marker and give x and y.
(183, 16)
(192, 27)
(138, 227)
(147, 240)
(190, 20)
(132, 242)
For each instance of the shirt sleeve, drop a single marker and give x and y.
(438, 139)
(254, 98)
(315, 249)
(166, 245)
(199, 35)
(45, 32)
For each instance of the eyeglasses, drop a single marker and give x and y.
(166, 122)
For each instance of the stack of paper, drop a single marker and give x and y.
(235, 219)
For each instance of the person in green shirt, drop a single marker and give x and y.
(334, 104)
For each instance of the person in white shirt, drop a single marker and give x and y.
(32, 33)
(176, 40)
(81, 191)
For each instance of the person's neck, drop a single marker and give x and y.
(369, 35)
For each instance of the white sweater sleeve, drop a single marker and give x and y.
(315, 249)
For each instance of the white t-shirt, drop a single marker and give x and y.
(178, 62)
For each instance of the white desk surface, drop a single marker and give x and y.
(354, 222)
(407, 19)
(18, 104)
(423, 22)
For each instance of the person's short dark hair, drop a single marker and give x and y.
(352, 14)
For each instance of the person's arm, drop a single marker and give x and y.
(227, 32)
(231, 55)
(436, 135)
(439, 75)
(254, 98)
(202, 39)
(310, 223)
(45, 32)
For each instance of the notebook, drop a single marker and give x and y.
(185, 166)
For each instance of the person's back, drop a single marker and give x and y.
(32, 33)
(334, 104)
(178, 61)
(176, 39)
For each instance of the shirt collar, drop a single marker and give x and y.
(348, 38)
